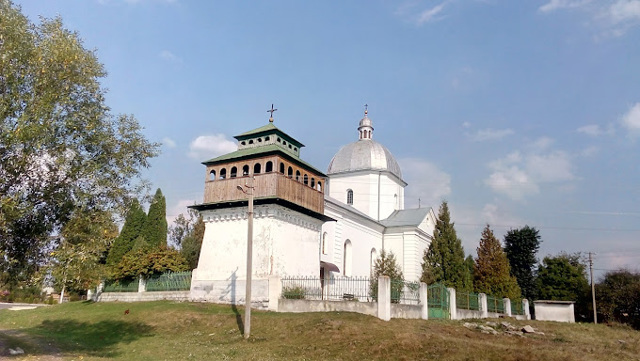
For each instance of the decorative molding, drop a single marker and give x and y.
(266, 211)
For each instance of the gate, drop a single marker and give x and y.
(438, 301)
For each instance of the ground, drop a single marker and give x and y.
(192, 331)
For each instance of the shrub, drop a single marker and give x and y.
(293, 293)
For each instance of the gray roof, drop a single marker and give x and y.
(364, 154)
(406, 217)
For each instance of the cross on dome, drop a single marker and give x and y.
(271, 111)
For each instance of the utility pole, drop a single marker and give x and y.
(247, 306)
(593, 289)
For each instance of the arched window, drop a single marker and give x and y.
(284, 142)
(372, 262)
(278, 139)
(306, 180)
(268, 167)
(290, 172)
(234, 172)
(259, 140)
(313, 182)
(281, 167)
(349, 196)
(245, 170)
(223, 173)
(243, 143)
(347, 261)
(251, 141)
(298, 175)
(324, 243)
(319, 186)
(212, 175)
(266, 139)
(256, 168)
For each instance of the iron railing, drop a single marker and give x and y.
(467, 301)
(516, 307)
(171, 281)
(495, 304)
(120, 286)
(315, 288)
(405, 292)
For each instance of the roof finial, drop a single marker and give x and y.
(366, 111)
(271, 111)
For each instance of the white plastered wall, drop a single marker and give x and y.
(365, 186)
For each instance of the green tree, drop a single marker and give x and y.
(521, 246)
(491, 272)
(469, 264)
(192, 244)
(618, 298)
(443, 262)
(131, 231)
(155, 228)
(145, 262)
(387, 265)
(564, 278)
(61, 148)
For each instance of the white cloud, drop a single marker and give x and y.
(490, 134)
(591, 129)
(562, 4)
(521, 175)
(541, 144)
(631, 120)
(177, 208)
(590, 151)
(209, 146)
(170, 143)
(431, 14)
(624, 11)
(426, 181)
(169, 56)
(466, 125)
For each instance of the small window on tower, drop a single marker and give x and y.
(349, 196)
(290, 172)
(223, 173)
(298, 175)
(245, 170)
(256, 168)
(212, 175)
(234, 172)
(268, 167)
(281, 167)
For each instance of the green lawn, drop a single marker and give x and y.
(193, 331)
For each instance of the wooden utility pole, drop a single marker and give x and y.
(247, 301)
(593, 289)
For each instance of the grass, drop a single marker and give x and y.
(193, 331)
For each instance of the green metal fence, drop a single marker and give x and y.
(405, 292)
(121, 286)
(172, 281)
(516, 307)
(438, 301)
(339, 288)
(495, 304)
(467, 301)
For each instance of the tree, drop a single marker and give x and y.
(443, 262)
(192, 244)
(155, 228)
(131, 231)
(145, 262)
(60, 147)
(387, 265)
(618, 297)
(521, 246)
(564, 278)
(491, 272)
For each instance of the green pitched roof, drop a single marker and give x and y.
(268, 129)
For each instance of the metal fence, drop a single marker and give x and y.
(171, 281)
(116, 286)
(341, 288)
(467, 301)
(495, 304)
(516, 307)
(438, 301)
(405, 292)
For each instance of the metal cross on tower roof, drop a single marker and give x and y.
(271, 111)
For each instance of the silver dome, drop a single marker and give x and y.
(364, 154)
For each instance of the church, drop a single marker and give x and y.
(305, 222)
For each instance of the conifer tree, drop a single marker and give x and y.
(387, 265)
(521, 246)
(155, 228)
(131, 230)
(492, 274)
(192, 243)
(443, 262)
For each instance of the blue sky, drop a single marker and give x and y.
(516, 112)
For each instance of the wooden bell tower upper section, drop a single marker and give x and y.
(272, 157)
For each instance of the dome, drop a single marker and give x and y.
(364, 154)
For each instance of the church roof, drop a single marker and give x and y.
(406, 217)
(268, 129)
(364, 154)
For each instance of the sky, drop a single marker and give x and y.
(514, 112)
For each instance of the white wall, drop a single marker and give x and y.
(561, 312)
(365, 192)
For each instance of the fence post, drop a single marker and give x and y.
(384, 298)
(482, 300)
(424, 300)
(142, 284)
(525, 309)
(507, 306)
(453, 306)
(275, 291)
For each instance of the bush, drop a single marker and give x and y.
(293, 293)
(387, 265)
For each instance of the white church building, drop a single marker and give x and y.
(306, 222)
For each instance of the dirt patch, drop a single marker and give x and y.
(34, 348)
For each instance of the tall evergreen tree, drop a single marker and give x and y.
(443, 262)
(492, 272)
(131, 230)
(192, 243)
(155, 228)
(521, 246)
